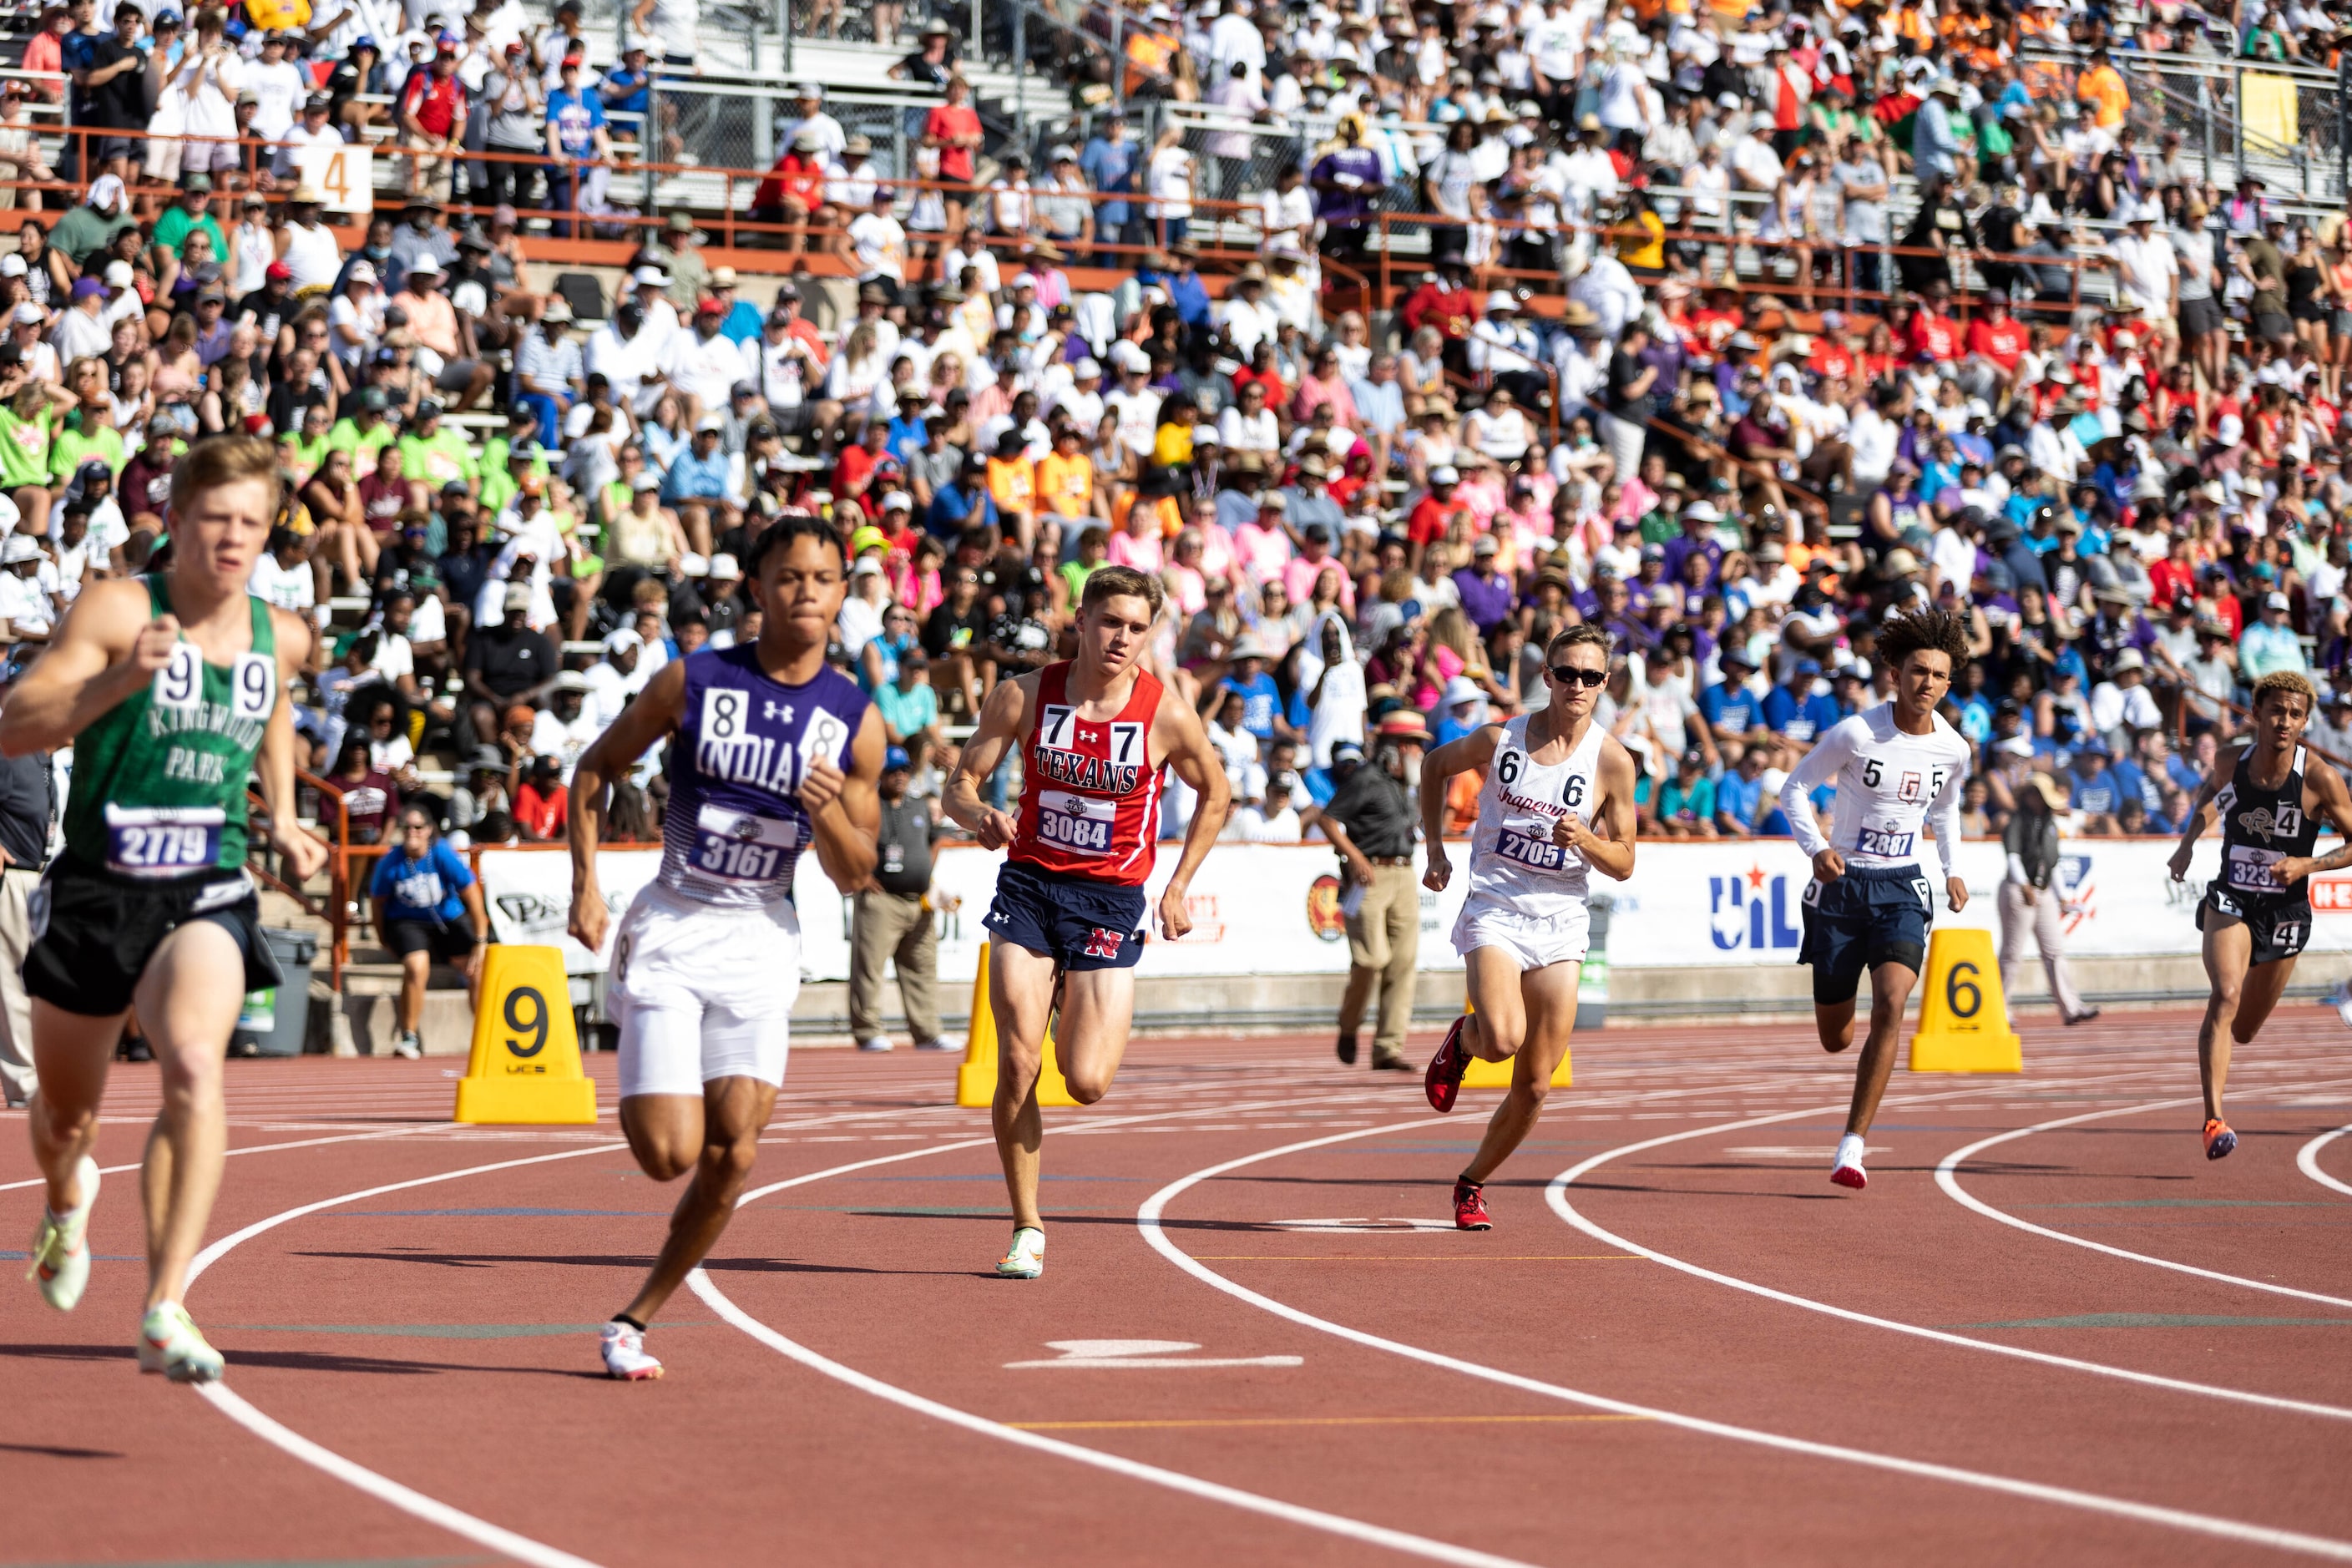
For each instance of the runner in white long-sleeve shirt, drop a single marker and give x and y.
(1897, 766)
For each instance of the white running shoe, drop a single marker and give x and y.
(877, 1044)
(1847, 1172)
(60, 1250)
(169, 1342)
(1026, 1259)
(939, 1043)
(625, 1353)
(407, 1046)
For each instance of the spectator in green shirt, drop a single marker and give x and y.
(364, 431)
(1687, 806)
(87, 228)
(433, 454)
(96, 436)
(186, 215)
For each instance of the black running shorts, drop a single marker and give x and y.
(94, 932)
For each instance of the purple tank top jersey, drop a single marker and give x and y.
(735, 828)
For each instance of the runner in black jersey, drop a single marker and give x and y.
(2256, 914)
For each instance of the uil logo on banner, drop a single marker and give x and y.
(1755, 912)
(1323, 916)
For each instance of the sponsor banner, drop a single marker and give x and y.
(1260, 908)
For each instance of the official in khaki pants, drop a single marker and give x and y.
(29, 802)
(1370, 821)
(891, 921)
(2033, 909)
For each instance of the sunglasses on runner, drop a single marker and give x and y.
(1562, 675)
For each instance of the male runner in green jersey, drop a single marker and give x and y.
(172, 689)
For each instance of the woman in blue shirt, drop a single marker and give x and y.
(422, 889)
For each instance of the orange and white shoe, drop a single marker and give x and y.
(625, 1353)
(60, 1251)
(1025, 1258)
(2219, 1139)
(1846, 1170)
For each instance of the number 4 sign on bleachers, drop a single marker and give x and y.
(344, 174)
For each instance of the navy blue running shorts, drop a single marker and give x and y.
(1078, 922)
(1863, 918)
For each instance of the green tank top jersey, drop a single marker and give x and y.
(158, 781)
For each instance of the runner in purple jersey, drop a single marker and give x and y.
(776, 753)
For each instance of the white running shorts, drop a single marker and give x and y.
(1532, 943)
(702, 993)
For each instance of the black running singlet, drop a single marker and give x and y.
(2260, 827)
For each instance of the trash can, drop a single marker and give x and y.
(276, 1021)
(1592, 985)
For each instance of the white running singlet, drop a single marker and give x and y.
(1527, 893)
(1889, 785)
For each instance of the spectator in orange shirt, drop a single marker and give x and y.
(2103, 85)
(1065, 478)
(1013, 486)
(542, 804)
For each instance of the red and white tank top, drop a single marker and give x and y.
(1090, 789)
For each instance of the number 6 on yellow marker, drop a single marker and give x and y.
(525, 1066)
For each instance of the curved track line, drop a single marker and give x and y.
(1557, 1194)
(456, 1521)
(1147, 1219)
(270, 1149)
(1134, 1469)
(1947, 1179)
(2307, 1162)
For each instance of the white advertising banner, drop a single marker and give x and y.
(1273, 909)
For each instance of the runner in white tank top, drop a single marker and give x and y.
(1556, 804)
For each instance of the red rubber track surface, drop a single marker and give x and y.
(442, 1335)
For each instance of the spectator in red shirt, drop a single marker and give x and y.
(955, 126)
(1933, 332)
(1445, 302)
(794, 188)
(542, 804)
(1996, 338)
(854, 470)
(433, 120)
(1432, 516)
(1830, 357)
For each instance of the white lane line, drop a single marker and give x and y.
(2307, 1162)
(1175, 1480)
(408, 1500)
(1148, 1220)
(1946, 1178)
(1557, 1194)
(381, 1132)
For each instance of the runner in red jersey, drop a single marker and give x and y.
(1097, 731)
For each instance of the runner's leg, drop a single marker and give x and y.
(1020, 997)
(1890, 990)
(1497, 1023)
(733, 1112)
(2229, 950)
(1097, 1009)
(2264, 985)
(72, 1053)
(1549, 1001)
(188, 1001)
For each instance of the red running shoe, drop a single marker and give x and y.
(1443, 1080)
(2219, 1139)
(1470, 1207)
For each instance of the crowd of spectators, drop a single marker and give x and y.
(512, 519)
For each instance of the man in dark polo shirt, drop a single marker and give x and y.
(1370, 820)
(892, 919)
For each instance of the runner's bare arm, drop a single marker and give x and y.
(106, 649)
(2201, 813)
(657, 711)
(1609, 852)
(304, 852)
(1178, 735)
(845, 807)
(1474, 753)
(1002, 717)
(2335, 806)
